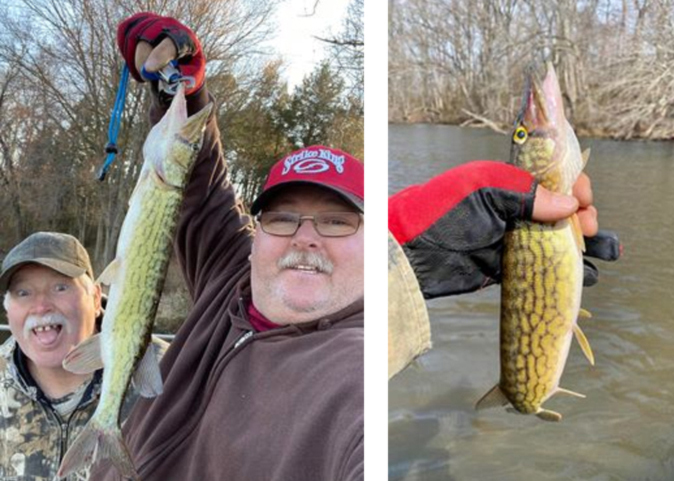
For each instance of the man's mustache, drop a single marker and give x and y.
(52, 319)
(313, 260)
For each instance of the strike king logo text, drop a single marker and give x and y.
(313, 162)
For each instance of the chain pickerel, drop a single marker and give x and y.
(136, 278)
(542, 263)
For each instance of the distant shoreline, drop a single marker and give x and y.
(505, 130)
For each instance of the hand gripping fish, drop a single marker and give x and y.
(136, 277)
(542, 263)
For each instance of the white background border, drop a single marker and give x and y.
(376, 266)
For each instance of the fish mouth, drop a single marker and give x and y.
(542, 105)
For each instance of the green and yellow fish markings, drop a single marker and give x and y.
(542, 263)
(136, 278)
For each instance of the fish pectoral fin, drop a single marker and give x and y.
(547, 415)
(561, 390)
(86, 357)
(494, 398)
(584, 314)
(577, 232)
(147, 377)
(584, 344)
(585, 155)
(110, 273)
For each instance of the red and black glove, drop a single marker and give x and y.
(153, 29)
(451, 228)
(604, 245)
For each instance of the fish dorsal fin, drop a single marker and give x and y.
(585, 155)
(86, 357)
(577, 232)
(584, 344)
(147, 377)
(494, 398)
(110, 273)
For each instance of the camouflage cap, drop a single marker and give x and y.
(61, 252)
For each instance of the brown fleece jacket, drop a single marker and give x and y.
(279, 405)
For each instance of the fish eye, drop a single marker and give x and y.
(520, 135)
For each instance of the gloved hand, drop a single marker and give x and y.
(452, 227)
(148, 39)
(606, 246)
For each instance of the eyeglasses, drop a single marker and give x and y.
(327, 224)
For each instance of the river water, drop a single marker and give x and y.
(624, 429)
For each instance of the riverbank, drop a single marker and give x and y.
(581, 129)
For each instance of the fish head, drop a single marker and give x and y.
(543, 142)
(173, 143)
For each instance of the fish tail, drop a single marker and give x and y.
(98, 442)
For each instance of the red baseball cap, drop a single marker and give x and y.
(318, 165)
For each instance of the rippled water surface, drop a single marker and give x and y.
(624, 429)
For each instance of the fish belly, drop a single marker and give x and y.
(540, 302)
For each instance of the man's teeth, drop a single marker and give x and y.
(305, 268)
(46, 328)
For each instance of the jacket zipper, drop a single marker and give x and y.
(246, 335)
(64, 440)
(63, 427)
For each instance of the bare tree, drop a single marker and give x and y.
(463, 61)
(11, 143)
(64, 52)
(347, 49)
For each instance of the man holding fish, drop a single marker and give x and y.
(264, 380)
(521, 225)
(446, 238)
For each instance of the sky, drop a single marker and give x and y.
(295, 41)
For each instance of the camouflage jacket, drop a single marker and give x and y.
(33, 435)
